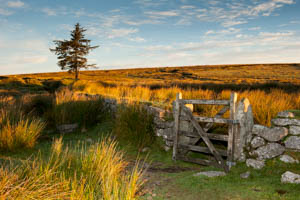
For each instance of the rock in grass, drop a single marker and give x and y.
(257, 142)
(271, 150)
(285, 114)
(293, 142)
(145, 149)
(288, 159)
(290, 177)
(256, 164)
(245, 175)
(67, 128)
(270, 134)
(89, 140)
(210, 174)
(167, 148)
(169, 143)
(294, 130)
(168, 133)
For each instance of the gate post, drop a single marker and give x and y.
(232, 130)
(244, 134)
(177, 110)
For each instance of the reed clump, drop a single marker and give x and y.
(82, 173)
(18, 130)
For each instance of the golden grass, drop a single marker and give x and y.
(17, 130)
(265, 105)
(256, 73)
(82, 173)
(160, 85)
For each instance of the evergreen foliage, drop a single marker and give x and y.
(72, 53)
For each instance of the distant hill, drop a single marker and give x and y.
(218, 77)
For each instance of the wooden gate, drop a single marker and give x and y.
(181, 109)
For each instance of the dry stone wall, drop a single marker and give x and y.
(270, 142)
(254, 143)
(164, 123)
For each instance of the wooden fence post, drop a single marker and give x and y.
(232, 129)
(177, 110)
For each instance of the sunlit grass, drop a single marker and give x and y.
(95, 172)
(17, 130)
(265, 104)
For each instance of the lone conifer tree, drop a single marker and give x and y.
(71, 53)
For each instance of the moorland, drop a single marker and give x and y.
(101, 159)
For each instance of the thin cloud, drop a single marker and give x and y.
(150, 3)
(49, 11)
(187, 7)
(15, 4)
(276, 34)
(170, 13)
(254, 28)
(31, 59)
(137, 39)
(235, 13)
(233, 23)
(142, 22)
(184, 21)
(122, 32)
(5, 12)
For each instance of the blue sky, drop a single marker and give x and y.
(145, 33)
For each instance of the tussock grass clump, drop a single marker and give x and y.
(64, 107)
(82, 173)
(17, 130)
(18, 184)
(12, 81)
(134, 124)
(37, 105)
(85, 113)
(108, 171)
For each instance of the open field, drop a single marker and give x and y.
(270, 87)
(193, 76)
(37, 160)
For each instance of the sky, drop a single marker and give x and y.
(146, 33)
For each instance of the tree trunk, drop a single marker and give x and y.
(76, 74)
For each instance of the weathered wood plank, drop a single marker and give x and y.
(199, 161)
(232, 127)
(176, 124)
(218, 115)
(217, 137)
(202, 149)
(205, 102)
(216, 120)
(212, 136)
(206, 140)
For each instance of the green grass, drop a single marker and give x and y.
(262, 184)
(134, 125)
(17, 130)
(296, 113)
(79, 166)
